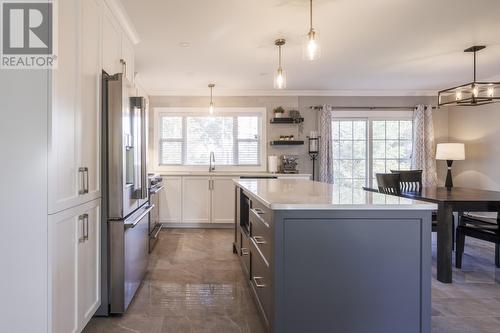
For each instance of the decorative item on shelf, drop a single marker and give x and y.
(272, 164)
(313, 149)
(279, 77)
(471, 94)
(450, 152)
(279, 112)
(289, 163)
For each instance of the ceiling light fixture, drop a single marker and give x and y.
(471, 94)
(279, 78)
(311, 50)
(211, 107)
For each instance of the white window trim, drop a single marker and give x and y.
(186, 111)
(369, 116)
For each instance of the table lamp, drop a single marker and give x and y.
(450, 152)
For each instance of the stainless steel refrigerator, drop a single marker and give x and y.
(125, 194)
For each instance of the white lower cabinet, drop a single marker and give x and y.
(74, 267)
(196, 199)
(222, 200)
(171, 200)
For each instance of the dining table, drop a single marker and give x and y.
(450, 200)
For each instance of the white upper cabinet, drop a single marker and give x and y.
(63, 182)
(90, 115)
(111, 43)
(127, 58)
(223, 200)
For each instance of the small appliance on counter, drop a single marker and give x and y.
(155, 185)
(289, 163)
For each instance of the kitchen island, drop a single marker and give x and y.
(319, 261)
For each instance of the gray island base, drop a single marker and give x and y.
(318, 263)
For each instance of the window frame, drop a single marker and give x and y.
(200, 112)
(369, 117)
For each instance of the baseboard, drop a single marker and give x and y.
(199, 225)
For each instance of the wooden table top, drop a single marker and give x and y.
(456, 194)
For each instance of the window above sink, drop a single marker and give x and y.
(184, 138)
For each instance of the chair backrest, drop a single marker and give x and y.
(410, 180)
(388, 183)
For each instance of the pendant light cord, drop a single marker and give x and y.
(279, 57)
(310, 15)
(474, 66)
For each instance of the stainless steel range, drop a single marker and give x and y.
(155, 187)
(125, 247)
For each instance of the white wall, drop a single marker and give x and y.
(303, 104)
(23, 209)
(479, 128)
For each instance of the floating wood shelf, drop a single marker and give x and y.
(287, 142)
(287, 120)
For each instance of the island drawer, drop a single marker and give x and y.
(262, 211)
(245, 251)
(261, 282)
(261, 235)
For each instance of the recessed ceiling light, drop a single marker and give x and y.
(184, 44)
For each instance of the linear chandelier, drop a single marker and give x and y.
(471, 94)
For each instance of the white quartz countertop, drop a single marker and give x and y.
(299, 194)
(232, 173)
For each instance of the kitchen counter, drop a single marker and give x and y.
(278, 194)
(319, 262)
(234, 173)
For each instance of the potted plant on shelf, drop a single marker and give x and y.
(279, 112)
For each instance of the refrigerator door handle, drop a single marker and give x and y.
(129, 225)
(144, 172)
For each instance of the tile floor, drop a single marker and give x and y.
(195, 284)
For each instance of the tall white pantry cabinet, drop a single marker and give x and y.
(51, 219)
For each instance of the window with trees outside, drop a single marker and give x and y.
(363, 147)
(188, 138)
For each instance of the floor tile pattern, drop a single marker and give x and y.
(195, 284)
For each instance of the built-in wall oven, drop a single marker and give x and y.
(155, 188)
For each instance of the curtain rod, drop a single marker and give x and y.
(318, 107)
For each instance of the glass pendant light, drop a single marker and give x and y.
(211, 107)
(311, 50)
(279, 76)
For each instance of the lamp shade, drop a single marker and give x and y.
(450, 151)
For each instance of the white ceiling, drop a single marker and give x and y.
(367, 45)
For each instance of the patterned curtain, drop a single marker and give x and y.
(325, 144)
(423, 157)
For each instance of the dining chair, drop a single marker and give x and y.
(479, 227)
(410, 180)
(388, 183)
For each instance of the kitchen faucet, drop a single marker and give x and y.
(212, 159)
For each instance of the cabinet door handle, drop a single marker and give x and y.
(82, 219)
(86, 235)
(256, 280)
(81, 185)
(124, 66)
(244, 251)
(259, 240)
(258, 211)
(86, 184)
